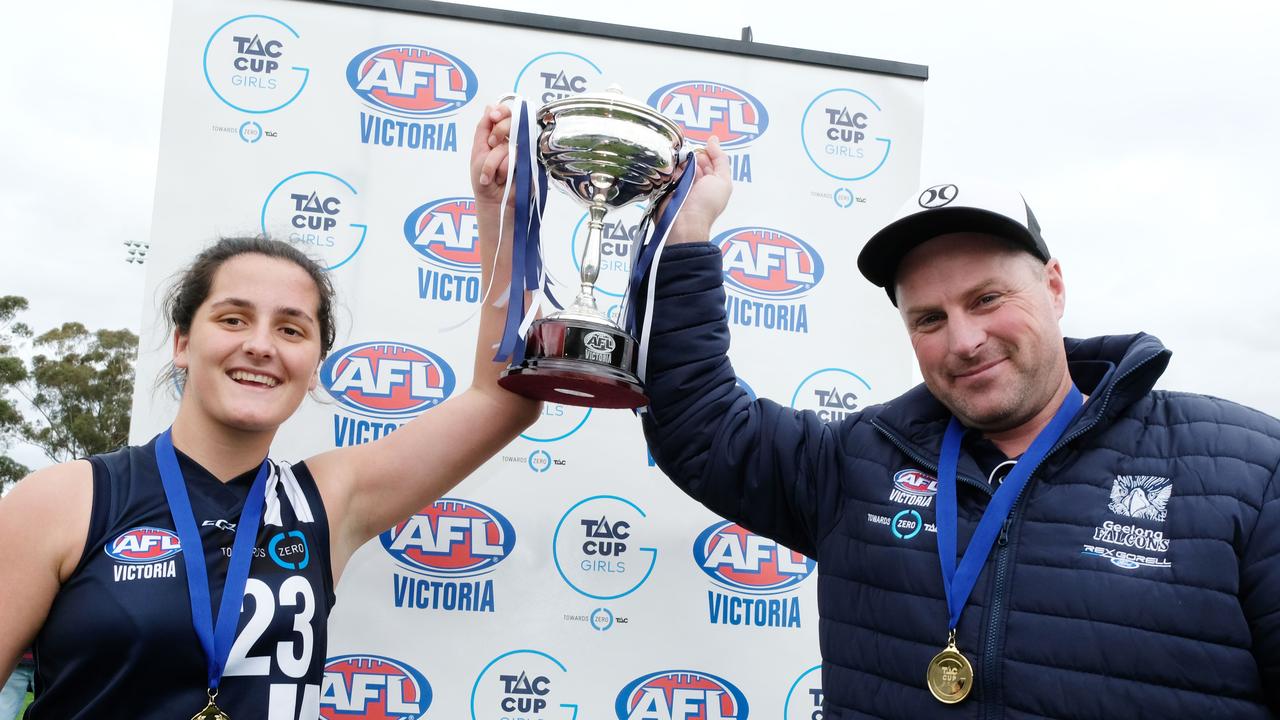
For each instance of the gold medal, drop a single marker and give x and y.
(211, 711)
(950, 676)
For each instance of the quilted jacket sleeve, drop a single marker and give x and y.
(764, 466)
(1260, 591)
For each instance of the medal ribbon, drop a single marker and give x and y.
(958, 582)
(216, 640)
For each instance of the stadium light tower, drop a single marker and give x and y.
(136, 251)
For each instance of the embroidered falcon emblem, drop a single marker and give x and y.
(1141, 496)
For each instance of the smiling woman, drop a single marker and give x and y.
(192, 574)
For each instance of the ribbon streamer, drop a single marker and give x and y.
(646, 264)
(528, 275)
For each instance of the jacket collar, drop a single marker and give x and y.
(1114, 371)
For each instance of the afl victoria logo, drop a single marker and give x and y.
(915, 482)
(938, 196)
(451, 538)
(740, 560)
(703, 109)
(768, 264)
(411, 80)
(372, 686)
(445, 233)
(681, 695)
(144, 545)
(599, 342)
(387, 379)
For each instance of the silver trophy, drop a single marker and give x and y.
(606, 151)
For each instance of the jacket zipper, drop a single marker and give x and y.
(932, 466)
(995, 630)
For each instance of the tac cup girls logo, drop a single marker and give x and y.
(555, 76)
(320, 213)
(556, 423)
(412, 81)
(371, 686)
(386, 379)
(602, 549)
(845, 134)
(832, 393)
(703, 109)
(522, 685)
(680, 695)
(804, 699)
(253, 64)
(451, 538)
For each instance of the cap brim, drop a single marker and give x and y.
(882, 254)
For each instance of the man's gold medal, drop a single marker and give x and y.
(950, 675)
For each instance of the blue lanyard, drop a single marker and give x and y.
(958, 583)
(215, 641)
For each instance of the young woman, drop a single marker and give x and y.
(115, 566)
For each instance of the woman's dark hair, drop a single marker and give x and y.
(190, 287)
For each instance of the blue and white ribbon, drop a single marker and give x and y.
(647, 251)
(528, 275)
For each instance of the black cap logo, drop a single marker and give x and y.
(938, 196)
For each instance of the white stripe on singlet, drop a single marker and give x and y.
(282, 476)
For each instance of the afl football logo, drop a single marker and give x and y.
(769, 264)
(451, 538)
(914, 482)
(411, 80)
(370, 686)
(387, 379)
(599, 342)
(703, 109)
(739, 559)
(681, 695)
(445, 233)
(144, 545)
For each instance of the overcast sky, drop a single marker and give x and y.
(1143, 135)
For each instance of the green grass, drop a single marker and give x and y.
(24, 705)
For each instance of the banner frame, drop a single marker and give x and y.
(613, 31)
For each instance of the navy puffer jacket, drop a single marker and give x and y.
(1138, 575)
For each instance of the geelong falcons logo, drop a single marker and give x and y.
(1141, 496)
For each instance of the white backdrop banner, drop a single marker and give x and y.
(567, 578)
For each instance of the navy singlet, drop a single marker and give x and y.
(119, 641)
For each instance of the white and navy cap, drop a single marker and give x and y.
(939, 209)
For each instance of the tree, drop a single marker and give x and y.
(11, 471)
(77, 387)
(12, 372)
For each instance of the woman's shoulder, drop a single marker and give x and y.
(67, 477)
(50, 510)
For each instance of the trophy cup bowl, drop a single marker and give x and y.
(606, 151)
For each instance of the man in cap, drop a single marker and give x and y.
(1091, 548)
